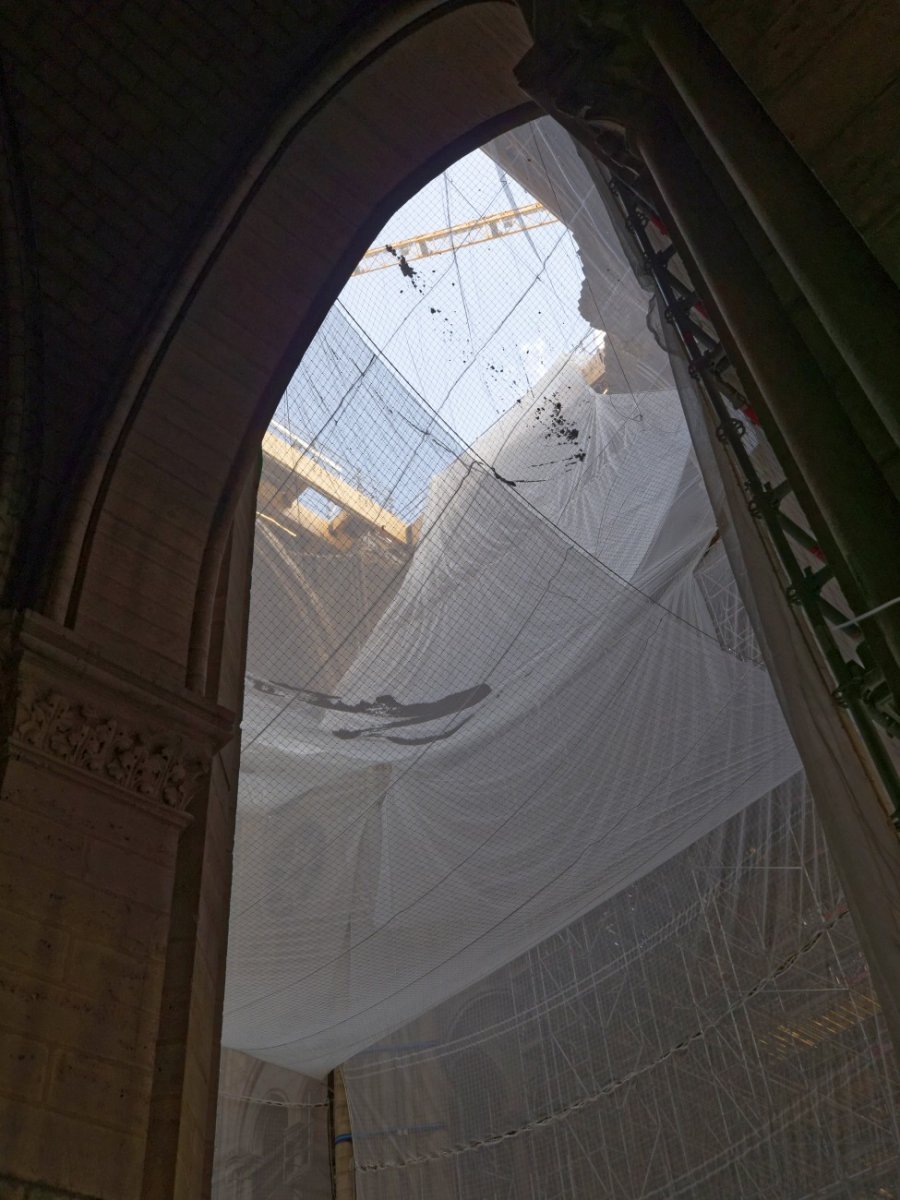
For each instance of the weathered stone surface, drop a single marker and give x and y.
(182, 206)
(99, 774)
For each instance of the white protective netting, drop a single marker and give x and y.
(710, 1032)
(272, 1133)
(457, 745)
(501, 683)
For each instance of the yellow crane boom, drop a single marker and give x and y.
(456, 237)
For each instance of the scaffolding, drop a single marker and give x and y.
(523, 842)
(860, 685)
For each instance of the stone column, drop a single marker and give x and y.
(857, 505)
(853, 297)
(181, 1135)
(102, 773)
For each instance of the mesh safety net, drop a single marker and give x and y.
(521, 830)
(710, 1031)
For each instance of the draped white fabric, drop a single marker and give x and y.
(520, 824)
(543, 712)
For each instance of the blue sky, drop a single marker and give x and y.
(505, 309)
(466, 335)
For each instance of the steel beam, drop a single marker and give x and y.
(849, 491)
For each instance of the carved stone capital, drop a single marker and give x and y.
(591, 68)
(75, 713)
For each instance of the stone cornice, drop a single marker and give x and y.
(69, 709)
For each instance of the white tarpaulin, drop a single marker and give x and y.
(542, 713)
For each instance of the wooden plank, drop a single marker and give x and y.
(306, 470)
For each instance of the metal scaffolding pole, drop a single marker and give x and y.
(859, 509)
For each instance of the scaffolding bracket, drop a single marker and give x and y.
(860, 688)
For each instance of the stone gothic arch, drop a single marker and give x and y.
(127, 607)
(135, 638)
(358, 139)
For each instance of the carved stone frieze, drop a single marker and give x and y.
(63, 706)
(152, 765)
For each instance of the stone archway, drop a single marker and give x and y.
(127, 687)
(123, 693)
(138, 570)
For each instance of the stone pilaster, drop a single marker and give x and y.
(102, 772)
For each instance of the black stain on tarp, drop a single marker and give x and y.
(388, 706)
(379, 732)
(397, 714)
(404, 715)
(437, 737)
